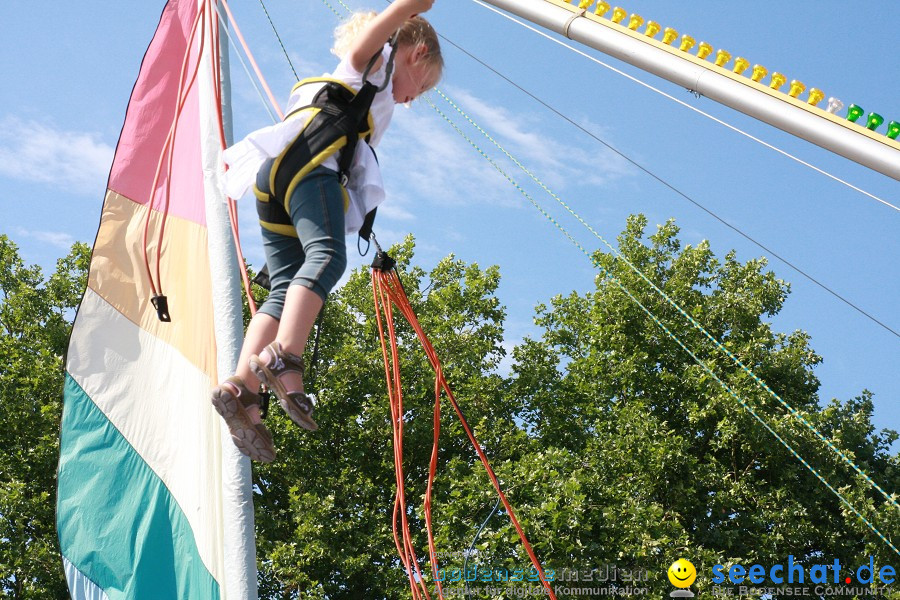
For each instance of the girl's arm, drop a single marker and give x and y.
(376, 34)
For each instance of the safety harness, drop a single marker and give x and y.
(340, 117)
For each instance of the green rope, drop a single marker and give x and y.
(668, 299)
(659, 323)
(341, 2)
(283, 49)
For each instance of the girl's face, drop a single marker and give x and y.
(412, 76)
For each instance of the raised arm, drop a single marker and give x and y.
(381, 28)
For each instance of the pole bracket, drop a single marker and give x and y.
(568, 24)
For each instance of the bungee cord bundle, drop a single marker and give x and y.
(388, 293)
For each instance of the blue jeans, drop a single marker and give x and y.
(317, 257)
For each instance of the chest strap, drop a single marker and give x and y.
(340, 118)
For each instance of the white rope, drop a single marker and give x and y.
(237, 52)
(685, 104)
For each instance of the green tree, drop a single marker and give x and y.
(613, 445)
(652, 459)
(35, 320)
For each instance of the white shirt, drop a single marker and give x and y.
(365, 186)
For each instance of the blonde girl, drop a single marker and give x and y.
(306, 258)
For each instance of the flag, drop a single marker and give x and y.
(153, 499)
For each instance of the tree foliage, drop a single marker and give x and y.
(671, 463)
(614, 444)
(35, 320)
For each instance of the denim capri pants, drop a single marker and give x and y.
(317, 257)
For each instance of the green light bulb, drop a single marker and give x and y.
(875, 120)
(854, 112)
(893, 130)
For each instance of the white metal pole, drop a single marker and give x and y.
(239, 537)
(849, 140)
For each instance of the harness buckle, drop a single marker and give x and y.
(344, 179)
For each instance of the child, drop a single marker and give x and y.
(305, 252)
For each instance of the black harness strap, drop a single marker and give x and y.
(342, 115)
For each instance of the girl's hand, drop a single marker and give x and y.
(419, 6)
(381, 28)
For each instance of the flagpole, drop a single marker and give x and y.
(848, 139)
(239, 538)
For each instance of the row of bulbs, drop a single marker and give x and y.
(722, 57)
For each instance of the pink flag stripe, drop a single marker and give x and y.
(149, 119)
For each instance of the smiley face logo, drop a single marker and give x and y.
(682, 573)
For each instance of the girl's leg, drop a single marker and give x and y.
(301, 307)
(236, 400)
(284, 256)
(317, 210)
(260, 333)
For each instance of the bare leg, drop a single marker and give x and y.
(301, 307)
(280, 365)
(260, 333)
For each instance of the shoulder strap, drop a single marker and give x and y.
(389, 68)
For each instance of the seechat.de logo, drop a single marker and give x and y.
(794, 572)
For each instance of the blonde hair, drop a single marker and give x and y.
(414, 32)
(349, 30)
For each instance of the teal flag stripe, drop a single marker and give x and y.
(117, 522)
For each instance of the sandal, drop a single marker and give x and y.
(296, 404)
(231, 399)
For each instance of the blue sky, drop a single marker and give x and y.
(68, 70)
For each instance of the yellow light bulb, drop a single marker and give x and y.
(759, 72)
(669, 35)
(777, 80)
(722, 57)
(740, 65)
(585, 4)
(602, 8)
(652, 28)
(635, 21)
(815, 96)
(619, 13)
(796, 88)
(704, 50)
(687, 42)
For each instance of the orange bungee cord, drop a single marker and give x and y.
(388, 294)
